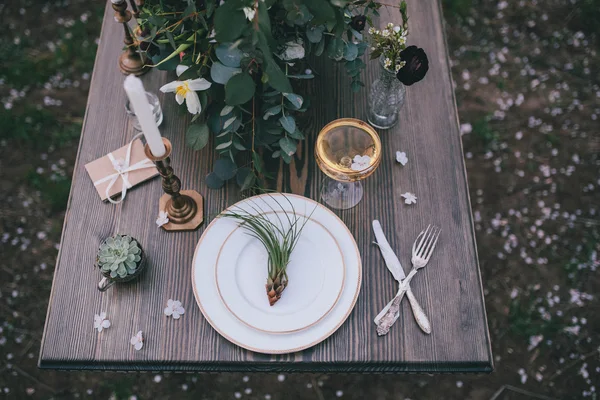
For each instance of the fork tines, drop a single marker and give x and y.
(424, 248)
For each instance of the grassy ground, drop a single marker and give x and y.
(528, 91)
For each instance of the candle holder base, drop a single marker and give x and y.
(189, 217)
(132, 64)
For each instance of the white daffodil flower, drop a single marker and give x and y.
(163, 218)
(401, 157)
(174, 309)
(409, 198)
(360, 162)
(137, 341)
(186, 91)
(100, 322)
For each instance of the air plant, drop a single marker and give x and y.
(279, 238)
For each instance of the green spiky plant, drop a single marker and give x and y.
(119, 256)
(278, 238)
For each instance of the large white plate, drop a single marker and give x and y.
(237, 332)
(316, 276)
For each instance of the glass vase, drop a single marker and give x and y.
(386, 98)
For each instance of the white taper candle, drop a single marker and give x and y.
(143, 111)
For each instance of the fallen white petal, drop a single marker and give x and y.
(401, 157)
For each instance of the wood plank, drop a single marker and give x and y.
(449, 288)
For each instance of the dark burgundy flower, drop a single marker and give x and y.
(416, 65)
(358, 22)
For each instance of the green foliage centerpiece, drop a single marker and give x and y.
(279, 236)
(237, 60)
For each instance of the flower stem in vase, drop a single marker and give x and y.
(278, 230)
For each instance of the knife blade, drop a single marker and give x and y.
(395, 267)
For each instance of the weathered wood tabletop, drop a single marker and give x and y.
(449, 289)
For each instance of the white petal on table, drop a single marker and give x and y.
(409, 198)
(401, 157)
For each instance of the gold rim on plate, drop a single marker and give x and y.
(300, 348)
(291, 330)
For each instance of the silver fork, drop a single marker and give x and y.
(421, 253)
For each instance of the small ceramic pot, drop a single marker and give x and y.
(107, 281)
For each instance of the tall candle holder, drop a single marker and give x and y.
(135, 7)
(130, 61)
(184, 207)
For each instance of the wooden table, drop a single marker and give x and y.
(449, 288)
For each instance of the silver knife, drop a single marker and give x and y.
(393, 264)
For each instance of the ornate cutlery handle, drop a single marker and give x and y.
(390, 317)
(418, 312)
(392, 314)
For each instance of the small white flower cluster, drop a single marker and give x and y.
(360, 163)
(389, 42)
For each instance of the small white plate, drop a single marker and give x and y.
(237, 332)
(316, 277)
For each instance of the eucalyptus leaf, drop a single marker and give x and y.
(356, 34)
(351, 51)
(356, 86)
(258, 165)
(225, 169)
(303, 76)
(321, 9)
(272, 111)
(228, 55)
(335, 48)
(295, 99)
(228, 122)
(230, 22)
(320, 48)
(239, 146)
(297, 135)
(196, 136)
(286, 157)
(288, 122)
(276, 77)
(314, 34)
(224, 145)
(226, 110)
(245, 178)
(221, 73)
(239, 89)
(213, 181)
(288, 145)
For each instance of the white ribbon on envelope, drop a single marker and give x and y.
(122, 169)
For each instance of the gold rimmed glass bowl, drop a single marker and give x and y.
(347, 151)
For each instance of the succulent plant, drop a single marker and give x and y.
(119, 256)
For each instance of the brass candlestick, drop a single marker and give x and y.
(134, 8)
(130, 62)
(184, 207)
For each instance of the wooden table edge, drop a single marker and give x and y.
(465, 176)
(70, 199)
(478, 367)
